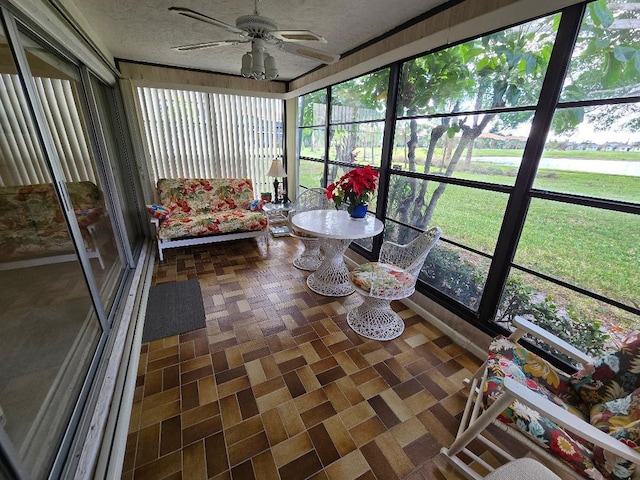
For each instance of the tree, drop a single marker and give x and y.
(502, 69)
(429, 84)
(605, 64)
(358, 100)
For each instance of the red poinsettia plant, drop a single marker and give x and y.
(354, 188)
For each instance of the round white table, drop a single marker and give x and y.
(335, 230)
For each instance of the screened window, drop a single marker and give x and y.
(539, 208)
(464, 113)
(594, 151)
(483, 148)
(574, 267)
(358, 110)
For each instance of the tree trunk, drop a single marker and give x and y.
(467, 158)
(403, 207)
(469, 134)
(418, 201)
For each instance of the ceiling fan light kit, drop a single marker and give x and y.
(259, 30)
(258, 64)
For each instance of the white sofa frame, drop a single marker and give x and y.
(202, 240)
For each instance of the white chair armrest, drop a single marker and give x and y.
(155, 222)
(524, 326)
(569, 421)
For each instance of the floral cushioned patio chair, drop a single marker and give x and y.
(585, 423)
(392, 277)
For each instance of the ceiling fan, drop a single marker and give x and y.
(259, 31)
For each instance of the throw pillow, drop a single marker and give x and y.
(257, 205)
(620, 418)
(158, 211)
(611, 377)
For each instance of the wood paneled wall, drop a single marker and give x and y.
(182, 79)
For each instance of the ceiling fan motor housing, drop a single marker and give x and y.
(256, 25)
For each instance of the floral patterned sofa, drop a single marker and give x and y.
(33, 230)
(205, 210)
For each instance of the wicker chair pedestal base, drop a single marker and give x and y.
(311, 258)
(376, 320)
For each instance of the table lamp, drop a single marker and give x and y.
(277, 170)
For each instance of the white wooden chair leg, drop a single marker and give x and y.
(477, 426)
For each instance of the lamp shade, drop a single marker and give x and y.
(276, 169)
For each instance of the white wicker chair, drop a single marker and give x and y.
(311, 199)
(393, 277)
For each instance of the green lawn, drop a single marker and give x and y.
(583, 154)
(589, 247)
(487, 152)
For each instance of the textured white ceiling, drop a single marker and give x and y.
(145, 30)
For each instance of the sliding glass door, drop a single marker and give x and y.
(50, 328)
(67, 237)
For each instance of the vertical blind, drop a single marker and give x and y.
(210, 135)
(21, 159)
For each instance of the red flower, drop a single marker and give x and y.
(355, 187)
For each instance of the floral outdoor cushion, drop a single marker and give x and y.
(620, 418)
(382, 279)
(184, 225)
(299, 233)
(507, 359)
(611, 387)
(613, 376)
(205, 195)
(84, 195)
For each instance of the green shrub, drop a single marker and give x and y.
(447, 272)
(459, 279)
(518, 299)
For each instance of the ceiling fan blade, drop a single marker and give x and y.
(187, 12)
(312, 53)
(201, 46)
(297, 36)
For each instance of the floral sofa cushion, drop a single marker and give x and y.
(205, 195)
(184, 225)
(208, 207)
(507, 359)
(381, 279)
(32, 224)
(613, 376)
(620, 418)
